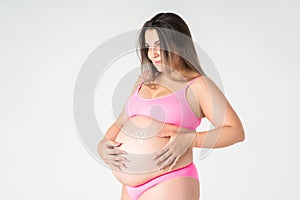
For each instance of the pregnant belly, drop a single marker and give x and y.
(139, 140)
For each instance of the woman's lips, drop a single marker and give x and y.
(157, 62)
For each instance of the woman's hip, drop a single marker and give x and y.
(166, 183)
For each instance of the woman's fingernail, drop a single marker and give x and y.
(119, 144)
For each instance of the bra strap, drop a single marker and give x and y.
(192, 81)
(139, 87)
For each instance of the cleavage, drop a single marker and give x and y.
(160, 92)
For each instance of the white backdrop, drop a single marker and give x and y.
(43, 44)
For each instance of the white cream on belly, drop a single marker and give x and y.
(140, 142)
(139, 135)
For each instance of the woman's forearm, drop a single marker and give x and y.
(219, 137)
(115, 128)
(112, 132)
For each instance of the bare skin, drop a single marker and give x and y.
(133, 145)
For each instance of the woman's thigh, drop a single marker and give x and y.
(124, 194)
(179, 188)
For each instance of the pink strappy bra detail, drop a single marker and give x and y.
(171, 109)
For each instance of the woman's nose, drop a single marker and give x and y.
(153, 52)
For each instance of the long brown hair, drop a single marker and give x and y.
(175, 38)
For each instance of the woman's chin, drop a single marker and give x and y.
(158, 67)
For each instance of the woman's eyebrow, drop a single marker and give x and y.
(154, 42)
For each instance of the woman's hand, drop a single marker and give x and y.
(107, 150)
(174, 149)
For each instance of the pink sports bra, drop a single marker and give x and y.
(171, 109)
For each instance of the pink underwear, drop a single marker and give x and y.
(188, 171)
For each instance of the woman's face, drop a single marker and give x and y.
(154, 52)
(153, 45)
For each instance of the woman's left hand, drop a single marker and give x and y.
(174, 149)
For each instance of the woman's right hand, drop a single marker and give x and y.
(110, 154)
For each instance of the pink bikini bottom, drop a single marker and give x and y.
(188, 171)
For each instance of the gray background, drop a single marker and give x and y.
(43, 44)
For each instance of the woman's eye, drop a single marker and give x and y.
(156, 46)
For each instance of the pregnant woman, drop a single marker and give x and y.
(149, 147)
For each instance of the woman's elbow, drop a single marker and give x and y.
(241, 134)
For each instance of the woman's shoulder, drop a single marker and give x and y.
(201, 81)
(196, 77)
(205, 86)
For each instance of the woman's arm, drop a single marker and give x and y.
(218, 111)
(115, 128)
(112, 132)
(107, 147)
(218, 137)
